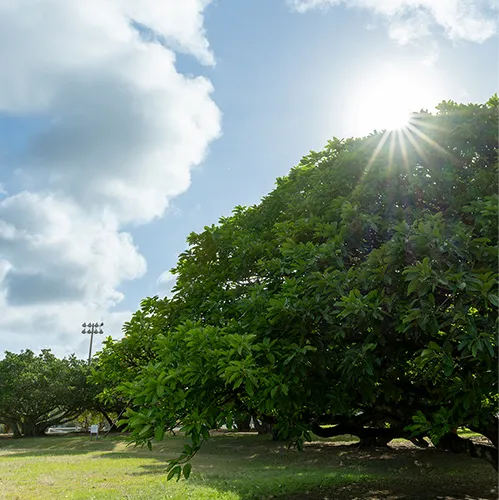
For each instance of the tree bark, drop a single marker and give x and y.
(15, 430)
(455, 444)
(369, 436)
(112, 426)
(243, 424)
(262, 427)
(31, 429)
(490, 432)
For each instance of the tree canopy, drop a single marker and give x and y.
(360, 293)
(40, 391)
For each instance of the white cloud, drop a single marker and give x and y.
(179, 23)
(165, 283)
(166, 278)
(58, 254)
(59, 268)
(121, 122)
(57, 328)
(473, 20)
(304, 5)
(121, 130)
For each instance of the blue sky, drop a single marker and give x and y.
(112, 149)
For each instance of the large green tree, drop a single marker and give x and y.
(40, 391)
(360, 293)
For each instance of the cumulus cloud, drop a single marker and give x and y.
(123, 127)
(55, 327)
(59, 268)
(58, 253)
(473, 20)
(118, 131)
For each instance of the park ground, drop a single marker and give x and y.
(237, 467)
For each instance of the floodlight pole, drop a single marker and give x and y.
(92, 328)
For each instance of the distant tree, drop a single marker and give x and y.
(361, 293)
(40, 391)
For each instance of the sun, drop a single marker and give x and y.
(385, 101)
(394, 118)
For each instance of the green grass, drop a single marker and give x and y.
(233, 467)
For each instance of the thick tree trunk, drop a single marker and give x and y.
(369, 436)
(30, 429)
(452, 442)
(15, 430)
(243, 424)
(490, 432)
(262, 427)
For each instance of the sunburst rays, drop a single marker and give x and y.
(404, 143)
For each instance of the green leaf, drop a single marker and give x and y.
(489, 347)
(159, 433)
(205, 433)
(413, 286)
(249, 388)
(494, 299)
(174, 471)
(145, 430)
(448, 368)
(187, 470)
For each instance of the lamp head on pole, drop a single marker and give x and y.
(92, 328)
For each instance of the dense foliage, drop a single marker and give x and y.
(361, 292)
(40, 391)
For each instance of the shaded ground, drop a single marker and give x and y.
(237, 467)
(410, 474)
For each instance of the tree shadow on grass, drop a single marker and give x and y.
(350, 473)
(377, 474)
(324, 471)
(55, 445)
(347, 486)
(47, 453)
(368, 491)
(151, 470)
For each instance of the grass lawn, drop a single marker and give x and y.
(236, 467)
